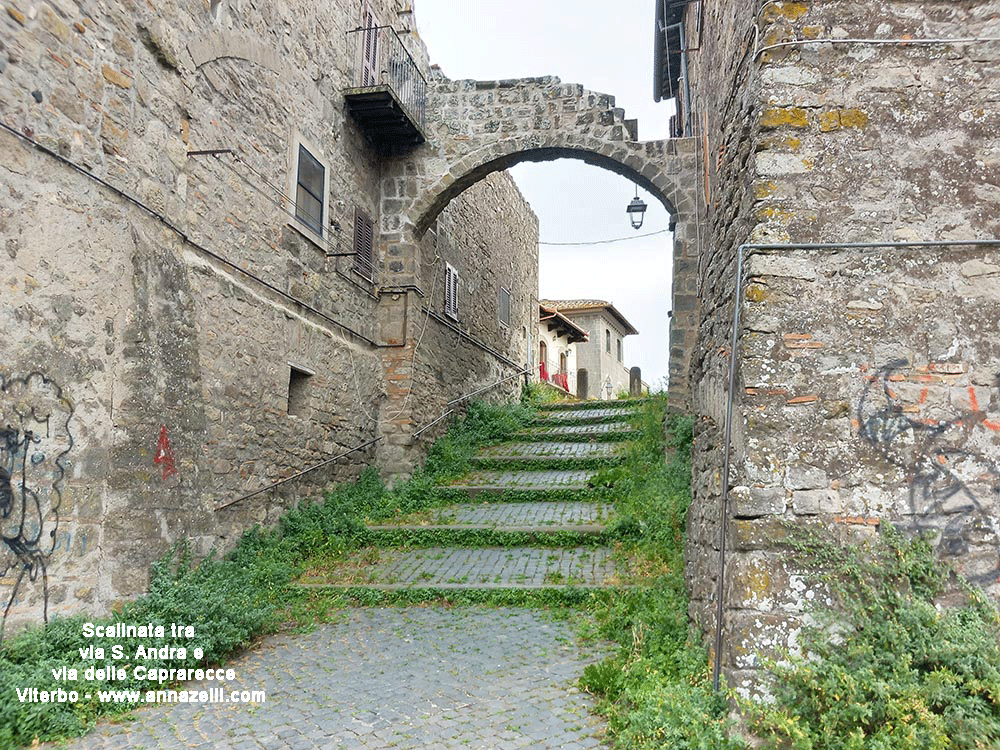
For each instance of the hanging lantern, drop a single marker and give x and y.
(636, 210)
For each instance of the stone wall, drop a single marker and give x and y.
(457, 356)
(864, 387)
(174, 337)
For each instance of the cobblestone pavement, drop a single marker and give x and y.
(497, 679)
(482, 567)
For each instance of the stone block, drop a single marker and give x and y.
(753, 502)
(814, 502)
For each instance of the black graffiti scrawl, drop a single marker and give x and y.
(35, 439)
(950, 484)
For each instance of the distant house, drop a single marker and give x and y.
(558, 337)
(602, 356)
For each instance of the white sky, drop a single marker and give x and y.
(606, 45)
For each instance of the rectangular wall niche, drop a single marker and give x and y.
(298, 391)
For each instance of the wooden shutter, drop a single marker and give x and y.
(451, 292)
(364, 244)
(369, 52)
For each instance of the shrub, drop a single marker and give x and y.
(885, 668)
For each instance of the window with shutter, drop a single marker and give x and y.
(364, 244)
(308, 186)
(451, 292)
(504, 308)
(369, 55)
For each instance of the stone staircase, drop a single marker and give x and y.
(527, 518)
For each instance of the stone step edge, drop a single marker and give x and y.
(529, 461)
(498, 489)
(576, 421)
(462, 587)
(582, 529)
(459, 537)
(609, 436)
(625, 403)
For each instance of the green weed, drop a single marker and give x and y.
(886, 668)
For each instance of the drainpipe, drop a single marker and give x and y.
(741, 254)
(688, 104)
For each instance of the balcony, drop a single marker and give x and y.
(389, 94)
(560, 379)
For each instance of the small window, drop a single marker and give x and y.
(298, 392)
(364, 244)
(619, 350)
(308, 178)
(451, 292)
(504, 307)
(607, 341)
(309, 191)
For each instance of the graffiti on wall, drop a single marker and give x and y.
(35, 439)
(953, 480)
(165, 454)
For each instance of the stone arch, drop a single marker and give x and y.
(652, 165)
(224, 44)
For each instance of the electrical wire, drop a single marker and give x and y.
(604, 242)
(181, 234)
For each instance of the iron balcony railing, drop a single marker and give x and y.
(382, 60)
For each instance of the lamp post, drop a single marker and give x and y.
(636, 210)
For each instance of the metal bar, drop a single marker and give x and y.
(296, 476)
(210, 152)
(726, 441)
(486, 388)
(460, 399)
(741, 254)
(901, 42)
(428, 426)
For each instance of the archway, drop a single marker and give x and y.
(473, 132)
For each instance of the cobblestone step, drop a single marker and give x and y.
(561, 455)
(584, 415)
(499, 515)
(551, 450)
(499, 481)
(579, 405)
(596, 432)
(471, 568)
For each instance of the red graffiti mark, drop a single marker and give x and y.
(165, 454)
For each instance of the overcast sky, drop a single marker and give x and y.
(606, 45)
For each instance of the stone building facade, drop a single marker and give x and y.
(199, 301)
(849, 250)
